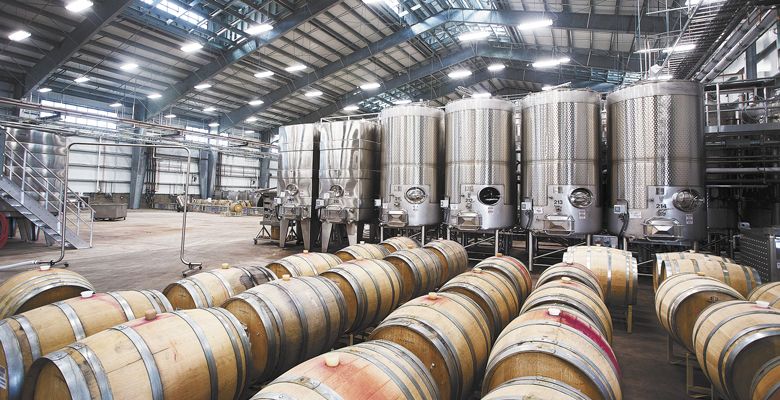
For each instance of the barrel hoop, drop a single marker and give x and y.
(727, 277)
(73, 319)
(304, 321)
(608, 295)
(378, 291)
(418, 282)
(756, 275)
(161, 299)
(556, 275)
(147, 357)
(339, 304)
(13, 358)
(628, 282)
(479, 292)
(414, 362)
(773, 363)
(578, 305)
(225, 284)
(207, 352)
(360, 294)
(553, 384)
(74, 378)
(360, 352)
(463, 331)
(97, 369)
(192, 291)
(206, 294)
(229, 322)
(56, 281)
(259, 302)
(311, 384)
(394, 291)
(272, 396)
(31, 334)
(308, 262)
(682, 296)
(506, 273)
(748, 280)
(738, 343)
(123, 304)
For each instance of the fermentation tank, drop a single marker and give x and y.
(560, 133)
(46, 158)
(349, 176)
(298, 180)
(657, 148)
(411, 182)
(480, 184)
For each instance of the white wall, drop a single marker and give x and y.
(104, 169)
(171, 164)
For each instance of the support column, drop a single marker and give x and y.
(265, 163)
(137, 163)
(203, 173)
(212, 174)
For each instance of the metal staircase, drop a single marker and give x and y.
(35, 192)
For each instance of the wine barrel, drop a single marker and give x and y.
(361, 251)
(400, 243)
(39, 287)
(576, 295)
(766, 383)
(682, 297)
(453, 257)
(681, 255)
(492, 292)
(574, 271)
(615, 269)
(743, 279)
(304, 264)
(768, 292)
(448, 332)
(377, 369)
(289, 320)
(214, 287)
(192, 354)
(513, 270)
(371, 289)
(27, 336)
(420, 269)
(733, 340)
(535, 388)
(554, 344)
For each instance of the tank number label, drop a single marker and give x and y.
(538, 210)
(557, 202)
(583, 214)
(660, 206)
(689, 219)
(635, 215)
(3, 379)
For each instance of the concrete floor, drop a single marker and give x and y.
(143, 252)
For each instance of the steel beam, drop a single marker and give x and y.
(97, 18)
(228, 58)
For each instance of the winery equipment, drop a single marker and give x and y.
(657, 148)
(299, 162)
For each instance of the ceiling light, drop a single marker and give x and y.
(251, 119)
(210, 109)
(458, 74)
(295, 68)
(402, 102)
(547, 87)
(551, 62)
(264, 74)
(44, 90)
(19, 36)
(256, 102)
(524, 26)
(481, 95)
(169, 116)
(78, 5)
(81, 79)
(202, 86)
(258, 29)
(680, 48)
(214, 124)
(403, 13)
(647, 51)
(416, 7)
(129, 67)
(115, 105)
(154, 96)
(191, 47)
(473, 35)
(351, 108)
(313, 93)
(664, 77)
(370, 86)
(496, 67)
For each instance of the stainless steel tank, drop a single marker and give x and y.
(45, 162)
(480, 171)
(349, 176)
(656, 136)
(298, 180)
(411, 161)
(560, 133)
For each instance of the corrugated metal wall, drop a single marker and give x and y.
(238, 173)
(171, 164)
(104, 169)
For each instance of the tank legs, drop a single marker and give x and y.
(306, 228)
(422, 234)
(354, 232)
(530, 246)
(325, 232)
(284, 225)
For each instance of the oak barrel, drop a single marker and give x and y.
(742, 278)
(191, 354)
(766, 383)
(39, 287)
(448, 332)
(681, 298)
(361, 251)
(373, 370)
(420, 269)
(768, 292)
(492, 292)
(554, 344)
(214, 287)
(574, 271)
(371, 288)
(304, 264)
(681, 255)
(733, 341)
(616, 271)
(535, 388)
(576, 295)
(453, 257)
(513, 270)
(399, 243)
(288, 321)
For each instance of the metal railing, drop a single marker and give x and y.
(44, 186)
(742, 102)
